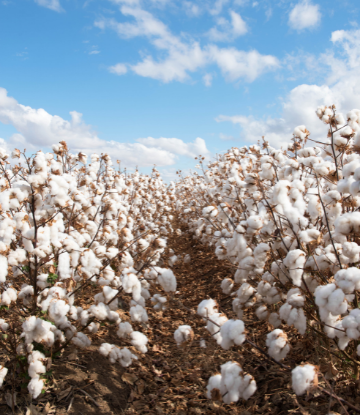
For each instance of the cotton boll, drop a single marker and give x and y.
(3, 325)
(183, 334)
(139, 340)
(81, 340)
(64, 269)
(124, 329)
(138, 313)
(295, 298)
(348, 279)
(262, 312)
(167, 279)
(3, 373)
(207, 307)
(274, 319)
(131, 284)
(295, 261)
(214, 323)
(232, 333)
(303, 378)
(35, 387)
(93, 327)
(277, 343)
(234, 385)
(109, 295)
(159, 302)
(3, 268)
(227, 285)
(214, 382)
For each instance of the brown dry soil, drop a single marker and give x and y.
(172, 380)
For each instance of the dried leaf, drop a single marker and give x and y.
(129, 378)
(32, 410)
(64, 393)
(9, 399)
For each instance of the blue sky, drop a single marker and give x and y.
(158, 81)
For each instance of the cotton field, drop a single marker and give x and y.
(89, 253)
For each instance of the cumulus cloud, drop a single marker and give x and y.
(304, 15)
(118, 69)
(179, 57)
(217, 7)
(340, 86)
(207, 78)
(36, 128)
(50, 4)
(177, 146)
(228, 30)
(191, 9)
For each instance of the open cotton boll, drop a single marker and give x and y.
(331, 298)
(166, 279)
(295, 298)
(3, 373)
(3, 268)
(139, 340)
(131, 284)
(214, 323)
(17, 257)
(233, 383)
(124, 329)
(109, 295)
(159, 302)
(303, 378)
(351, 323)
(124, 356)
(64, 269)
(348, 279)
(232, 333)
(93, 327)
(227, 285)
(35, 387)
(295, 261)
(138, 313)
(207, 307)
(3, 325)
(262, 312)
(214, 382)
(277, 343)
(99, 311)
(183, 334)
(81, 340)
(274, 319)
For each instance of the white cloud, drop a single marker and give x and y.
(236, 64)
(39, 129)
(177, 146)
(192, 9)
(218, 6)
(118, 69)
(180, 57)
(228, 30)
(340, 86)
(207, 78)
(94, 52)
(304, 15)
(50, 4)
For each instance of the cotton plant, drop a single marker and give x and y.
(73, 226)
(287, 221)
